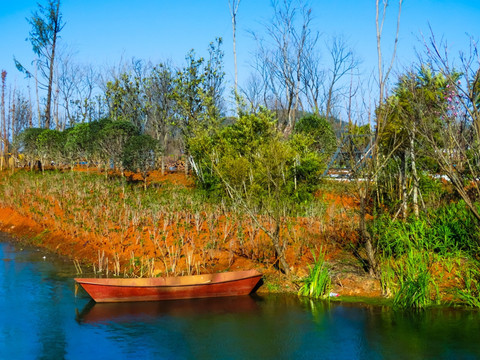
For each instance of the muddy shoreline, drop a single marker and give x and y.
(86, 251)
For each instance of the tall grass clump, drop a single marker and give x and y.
(416, 287)
(470, 294)
(318, 283)
(446, 230)
(418, 254)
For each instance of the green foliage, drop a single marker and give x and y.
(470, 295)
(51, 146)
(197, 92)
(451, 228)
(113, 137)
(117, 141)
(417, 99)
(318, 283)
(81, 141)
(126, 99)
(408, 121)
(389, 186)
(248, 133)
(46, 24)
(324, 140)
(252, 164)
(415, 282)
(27, 143)
(407, 249)
(160, 104)
(307, 168)
(140, 154)
(230, 152)
(255, 160)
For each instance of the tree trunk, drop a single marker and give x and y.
(414, 174)
(50, 85)
(365, 236)
(404, 187)
(233, 11)
(3, 129)
(52, 65)
(14, 119)
(39, 114)
(279, 249)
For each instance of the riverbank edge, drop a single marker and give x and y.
(26, 230)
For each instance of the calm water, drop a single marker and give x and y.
(40, 318)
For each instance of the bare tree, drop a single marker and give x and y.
(323, 84)
(3, 129)
(374, 164)
(21, 113)
(380, 14)
(456, 146)
(253, 92)
(46, 25)
(233, 5)
(313, 80)
(469, 67)
(86, 88)
(69, 76)
(343, 63)
(161, 106)
(291, 40)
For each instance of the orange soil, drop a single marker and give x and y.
(185, 244)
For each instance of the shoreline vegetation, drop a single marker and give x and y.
(116, 228)
(119, 229)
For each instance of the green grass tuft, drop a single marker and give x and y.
(318, 283)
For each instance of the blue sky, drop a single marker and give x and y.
(104, 31)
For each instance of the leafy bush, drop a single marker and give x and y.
(82, 140)
(27, 143)
(140, 154)
(51, 146)
(321, 131)
(253, 158)
(112, 139)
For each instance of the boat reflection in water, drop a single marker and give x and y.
(144, 311)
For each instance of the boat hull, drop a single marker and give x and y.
(185, 287)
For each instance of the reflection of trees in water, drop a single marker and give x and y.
(273, 331)
(373, 331)
(431, 333)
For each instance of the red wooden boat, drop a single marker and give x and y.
(171, 288)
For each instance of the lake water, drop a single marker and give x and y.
(40, 318)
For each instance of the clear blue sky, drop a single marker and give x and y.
(104, 31)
